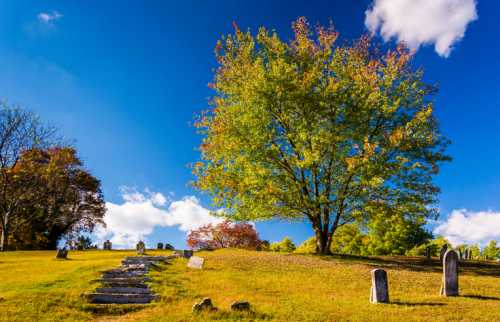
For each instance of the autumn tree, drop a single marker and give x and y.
(224, 235)
(20, 131)
(312, 129)
(66, 200)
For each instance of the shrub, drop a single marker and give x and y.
(284, 246)
(307, 247)
(224, 235)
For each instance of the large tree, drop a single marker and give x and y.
(20, 131)
(311, 129)
(66, 199)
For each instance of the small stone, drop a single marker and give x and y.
(160, 246)
(240, 306)
(62, 253)
(168, 246)
(379, 292)
(204, 305)
(196, 262)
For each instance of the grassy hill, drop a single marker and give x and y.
(35, 286)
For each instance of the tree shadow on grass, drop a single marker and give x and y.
(416, 303)
(481, 297)
(420, 264)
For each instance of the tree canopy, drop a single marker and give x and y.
(45, 191)
(309, 129)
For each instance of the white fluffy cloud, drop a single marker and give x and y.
(469, 227)
(420, 22)
(48, 17)
(141, 213)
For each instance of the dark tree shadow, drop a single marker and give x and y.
(481, 297)
(420, 264)
(416, 303)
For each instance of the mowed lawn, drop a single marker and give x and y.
(36, 287)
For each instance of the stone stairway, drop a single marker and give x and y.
(127, 284)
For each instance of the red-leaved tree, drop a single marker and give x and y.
(224, 235)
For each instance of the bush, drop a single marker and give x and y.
(224, 235)
(307, 247)
(284, 246)
(263, 246)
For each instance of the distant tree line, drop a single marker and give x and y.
(45, 192)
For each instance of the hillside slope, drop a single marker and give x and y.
(35, 286)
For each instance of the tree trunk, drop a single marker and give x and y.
(4, 239)
(322, 242)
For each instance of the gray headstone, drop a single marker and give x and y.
(240, 306)
(62, 253)
(379, 292)
(204, 305)
(160, 246)
(141, 248)
(449, 285)
(196, 262)
(187, 253)
(168, 246)
(107, 245)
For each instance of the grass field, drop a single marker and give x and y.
(36, 287)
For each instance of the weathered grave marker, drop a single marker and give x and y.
(168, 246)
(427, 252)
(187, 253)
(449, 286)
(196, 262)
(379, 292)
(141, 248)
(160, 246)
(62, 253)
(107, 245)
(444, 248)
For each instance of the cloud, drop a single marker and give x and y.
(141, 213)
(421, 22)
(49, 17)
(469, 227)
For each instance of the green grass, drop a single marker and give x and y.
(35, 287)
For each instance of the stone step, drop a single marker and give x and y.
(123, 290)
(123, 275)
(104, 298)
(123, 283)
(124, 279)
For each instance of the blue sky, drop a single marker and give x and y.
(124, 79)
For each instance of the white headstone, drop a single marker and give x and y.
(196, 262)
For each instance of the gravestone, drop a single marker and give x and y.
(187, 253)
(168, 246)
(62, 253)
(196, 262)
(107, 245)
(141, 248)
(379, 292)
(449, 286)
(204, 305)
(240, 306)
(160, 246)
(444, 248)
(427, 252)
